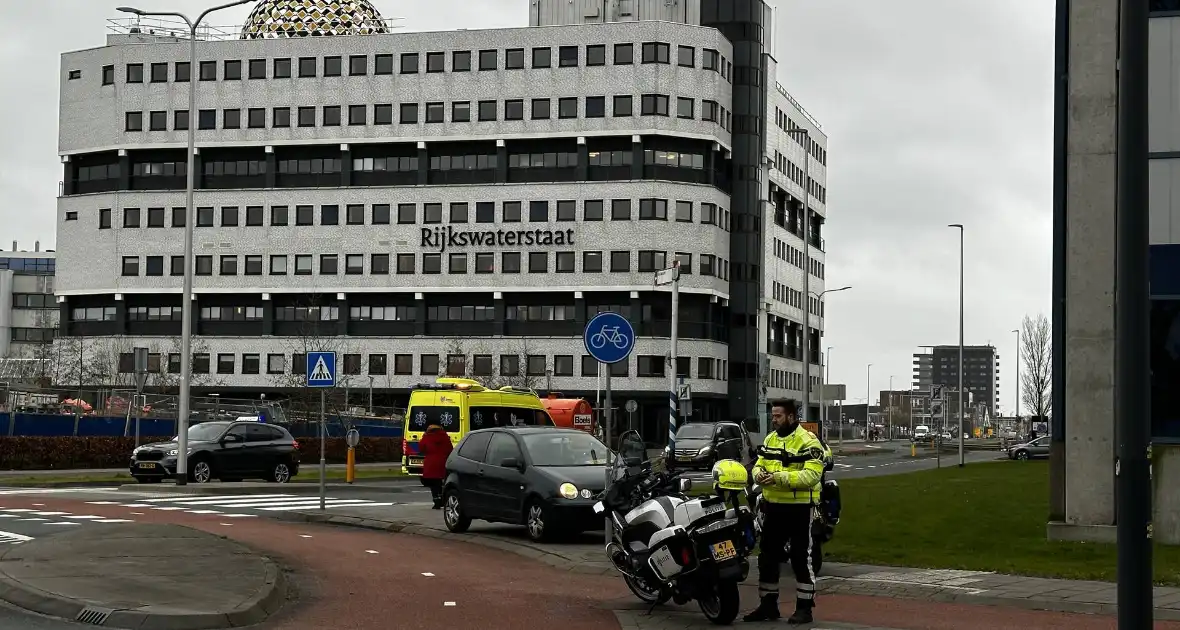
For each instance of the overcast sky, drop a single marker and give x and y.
(937, 112)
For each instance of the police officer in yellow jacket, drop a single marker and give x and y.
(790, 467)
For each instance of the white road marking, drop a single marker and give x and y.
(228, 524)
(7, 515)
(84, 517)
(202, 512)
(304, 536)
(168, 509)
(17, 510)
(63, 523)
(113, 520)
(241, 515)
(135, 505)
(100, 503)
(224, 497)
(13, 537)
(428, 574)
(50, 513)
(448, 603)
(38, 505)
(32, 520)
(316, 504)
(371, 551)
(138, 513)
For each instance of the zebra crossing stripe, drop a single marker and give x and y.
(309, 505)
(12, 537)
(223, 497)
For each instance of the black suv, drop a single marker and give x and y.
(229, 451)
(702, 444)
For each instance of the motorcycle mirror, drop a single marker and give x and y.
(685, 485)
(632, 450)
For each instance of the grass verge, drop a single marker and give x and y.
(307, 474)
(984, 517)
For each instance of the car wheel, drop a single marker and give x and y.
(537, 521)
(200, 471)
(281, 473)
(453, 516)
(1022, 455)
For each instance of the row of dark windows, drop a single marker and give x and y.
(593, 261)
(456, 213)
(486, 60)
(476, 365)
(622, 106)
(795, 173)
(784, 251)
(793, 297)
(783, 121)
(33, 335)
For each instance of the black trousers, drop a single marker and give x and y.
(785, 522)
(435, 486)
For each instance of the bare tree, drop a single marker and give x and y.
(459, 361)
(1036, 351)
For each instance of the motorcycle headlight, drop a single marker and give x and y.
(568, 490)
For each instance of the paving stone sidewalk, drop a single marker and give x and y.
(585, 555)
(675, 620)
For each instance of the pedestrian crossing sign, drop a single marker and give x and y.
(321, 369)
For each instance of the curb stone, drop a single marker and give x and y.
(267, 601)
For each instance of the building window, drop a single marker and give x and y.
(624, 54)
(654, 105)
(155, 217)
(377, 364)
(564, 262)
(304, 215)
(204, 217)
(229, 216)
(225, 363)
(592, 210)
(509, 365)
(567, 56)
(154, 266)
(686, 56)
(329, 264)
(432, 264)
(131, 265)
(357, 114)
(134, 121)
(461, 111)
(358, 65)
(333, 66)
(405, 264)
(622, 106)
(536, 365)
(459, 212)
(567, 107)
(203, 265)
(510, 211)
(620, 210)
(567, 210)
(379, 265)
(330, 215)
(436, 62)
(207, 70)
(354, 214)
(538, 262)
(542, 57)
(487, 111)
(278, 265)
(653, 209)
(428, 365)
(130, 217)
(108, 75)
(539, 211)
(595, 106)
(104, 219)
(709, 59)
(510, 262)
(485, 262)
(231, 119)
(489, 60)
(307, 67)
(655, 52)
(276, 363)
(591, 262)
(596, 55)
(620, 262)
(652, 260)
(650, 366)
(135, 73)
(383, 64)
(684, 107)
(229, 266)
(563, 365)
(461, 61)
(403, 364)
(409, 63)
(331, 116)
(303, 263)
(408, 114)
(435, 112)
(514, 109)
(684, 211)
(457, 264)
(432, 213)
(354, 264)
(485, 212)
(514, 59)
(541, 109)
(282, 68)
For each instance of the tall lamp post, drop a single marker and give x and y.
(962, 455)
(889, 425)
(186, 307)
(823, 400)
(868, 397)
(823, 379)
(1017, 396)
(804, 142)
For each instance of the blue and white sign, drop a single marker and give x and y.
(321, 369)
(609, 337)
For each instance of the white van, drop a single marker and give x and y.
(921, 432)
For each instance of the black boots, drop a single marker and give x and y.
(767, 610)
(802, 614)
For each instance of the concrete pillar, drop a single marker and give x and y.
(419, 314)
(268, 315)
(498, 308)
(501, 162)
(124, 170)
(636, 157)
(272, 168)
(583, 160)
(1089, 451)
(345, 166)
(423, 164)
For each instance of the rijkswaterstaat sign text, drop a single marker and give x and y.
(444, 238)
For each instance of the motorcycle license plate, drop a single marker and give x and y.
(723, 550)
(663, 563)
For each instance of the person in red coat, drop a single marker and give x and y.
(435, 447)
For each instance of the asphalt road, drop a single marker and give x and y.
(899, 462)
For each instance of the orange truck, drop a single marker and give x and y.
(572, 413)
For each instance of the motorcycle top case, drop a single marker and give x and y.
(692, 511)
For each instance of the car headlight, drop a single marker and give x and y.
(173, 452)
(568, 490)
(667, 449)
(705, 450)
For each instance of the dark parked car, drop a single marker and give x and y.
(545, 478)
(229, 451)
(702, 444)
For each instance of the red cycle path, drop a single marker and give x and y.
(341, 583)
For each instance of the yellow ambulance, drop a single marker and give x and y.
(461, 405)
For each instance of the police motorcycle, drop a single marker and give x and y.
(669, 546)
(825, 516)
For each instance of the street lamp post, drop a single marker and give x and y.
(806, 140)
(823, 380)
(868, 397)
(186, 307)
(962, 456)
(889, 424)
(1016, 413)
(823, 399)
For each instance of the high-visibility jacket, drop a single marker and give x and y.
(797, 464)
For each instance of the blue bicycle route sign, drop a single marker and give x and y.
(321, 369)
(609, 337)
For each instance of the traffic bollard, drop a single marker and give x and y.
(913, 449)
(350, 471)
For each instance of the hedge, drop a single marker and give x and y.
(63, 453)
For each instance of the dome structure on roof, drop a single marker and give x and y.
(272, 19)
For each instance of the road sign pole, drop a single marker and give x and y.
(673, 402)
(608, 420)
(323, 453)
